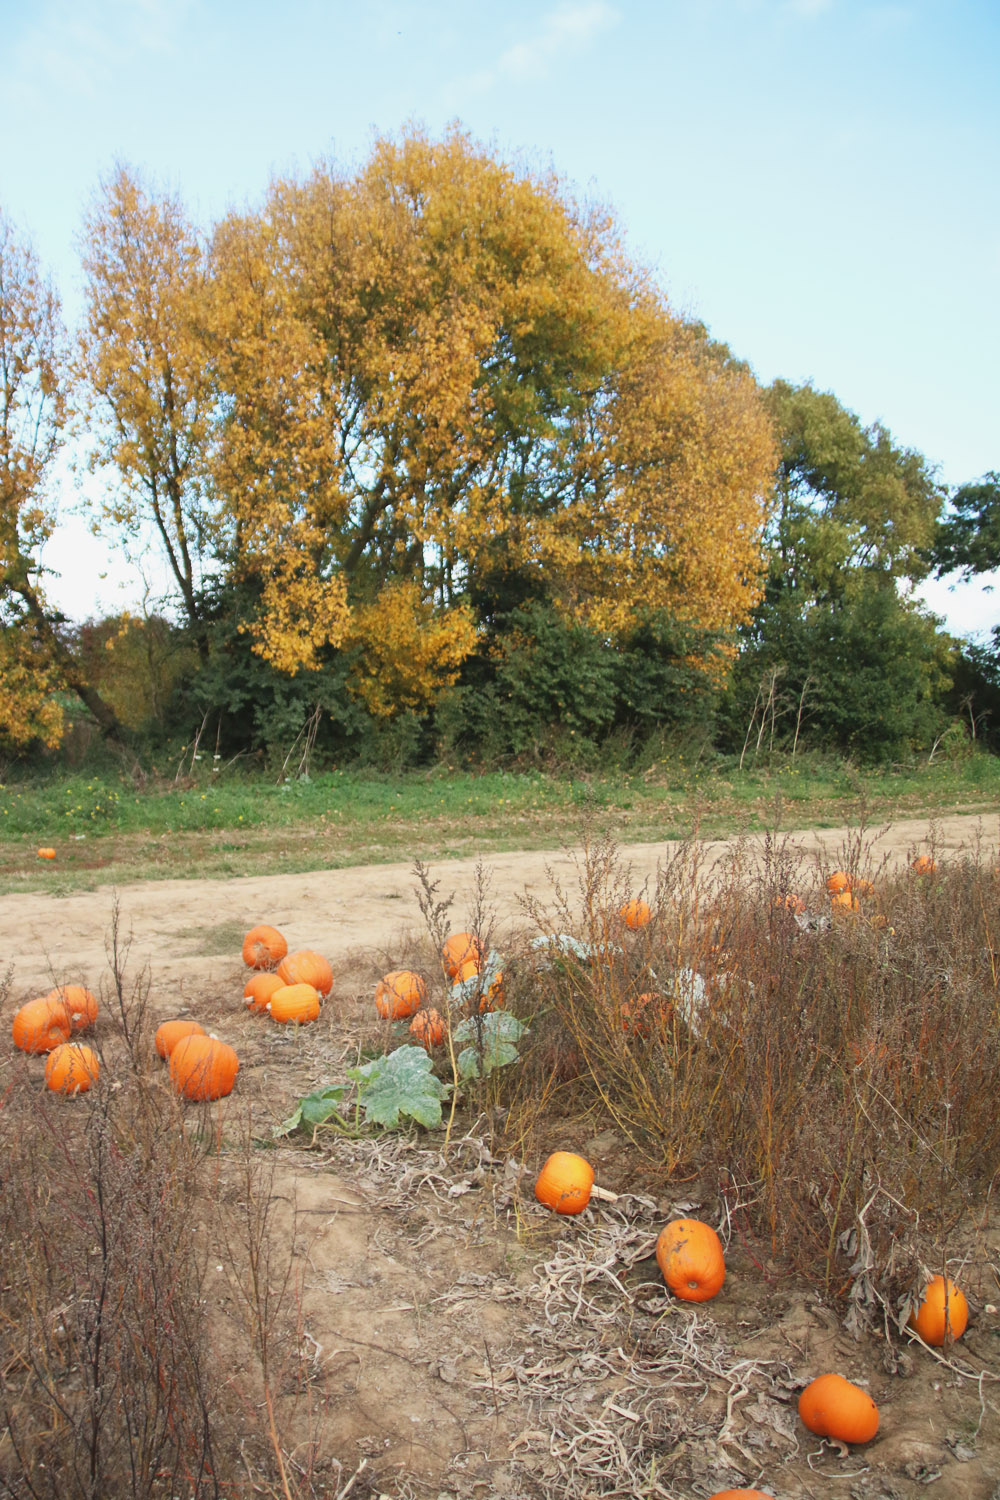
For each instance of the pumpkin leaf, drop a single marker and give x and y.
(400, 1083)
(313, 1109)
(492, 1039)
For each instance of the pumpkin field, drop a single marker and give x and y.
(656, 1170)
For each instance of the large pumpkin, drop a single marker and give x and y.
(259, 988)
(202, 1067)
(835, 1408)
(263, 947)
(457, 949)
(689, 1254)
(40, 1025)
(307, 967)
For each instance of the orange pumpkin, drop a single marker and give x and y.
(307, 967)
(835, 1408)
(789, 902)
(80, 1003)
(294, 1003)
(457, 949)
(923, 865)
(169, 1033)
(259, 988)
(943, 1315)
(491, 995)
(862, 888)
(428, 1028)
(40, 1025)
(263, 947)
(46, 853)
(202, 1067)
(636, 914)
(689, 1255)
(742, 1495)
(71, 1068)
(640, 1015)
(399, 994)
(837, 882)
(844, 903)
(565, 1182)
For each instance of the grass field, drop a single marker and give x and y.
(106, 830)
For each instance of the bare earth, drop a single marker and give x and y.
(463, 1342)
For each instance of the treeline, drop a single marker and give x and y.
(434, 468)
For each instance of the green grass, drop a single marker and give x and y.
(106, 831)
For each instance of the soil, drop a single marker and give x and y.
(457, 1339)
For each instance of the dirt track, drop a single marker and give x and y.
(187, 930)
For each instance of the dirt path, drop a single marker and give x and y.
(188, 930)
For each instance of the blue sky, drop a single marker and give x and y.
(815, 179)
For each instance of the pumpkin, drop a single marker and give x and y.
(428, 1028)
(169, 1033)
(80, 1003)
(641, 1014)
(862, 888)
(942, 1315)
(923, 865)
(689, 1255)
(263, 947)
(40, 1025)
(259, 988)
(307, 967)
(46, 853)
(457, 949)
(789, 902)
(71, 1068)
(636, 914)
(399, 994)
(835, 1408)
(837, 882)
(202, 1067)
(565, 1182)
(491, 996)
(745, 1494)
(844, 902)
(294, 1003)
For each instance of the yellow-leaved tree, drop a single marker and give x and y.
(438, 372)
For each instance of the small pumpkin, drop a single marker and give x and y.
(40, 1025)
(46, 853)
(565, 1183)
(742, 1495)
(844, 903)
(943, 1315)
(399, 994)
(924, 865)
(689, 1255)
(636, 914)
(491, 995)
(259, 988)
(428, 1028)
(837, 882)
(835, 1408)
(307, 967)
(202, 1067)
(641, 1013)
(789, 902)
(862, 888)
(169, 1033)
(71, 1068)
(457, 949)
(264, 947)
(80, 1003)
(296, 1004)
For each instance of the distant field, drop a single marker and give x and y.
(104, 831)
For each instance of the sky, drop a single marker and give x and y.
(816, 180)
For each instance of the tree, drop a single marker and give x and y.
(441, 374)
(143, 366)
(968, 539)
(35, 660)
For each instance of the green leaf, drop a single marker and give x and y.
(314, 1109)
(492, 1038)
(400, 1084)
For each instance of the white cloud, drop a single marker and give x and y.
(570, 27)
(77, 49)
